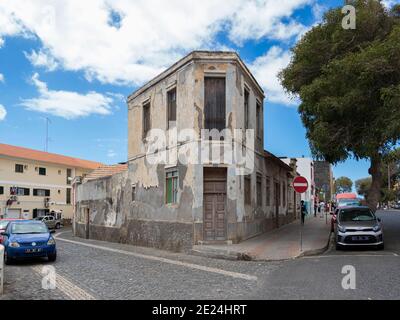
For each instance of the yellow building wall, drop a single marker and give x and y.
(55, 180)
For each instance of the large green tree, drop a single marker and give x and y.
(343, 184)
(363, 186)
(349, 85)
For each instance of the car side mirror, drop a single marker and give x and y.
(52, 231)
(379, 219)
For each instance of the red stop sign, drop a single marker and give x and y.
(300, 184)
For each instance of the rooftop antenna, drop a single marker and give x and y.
(46, 147)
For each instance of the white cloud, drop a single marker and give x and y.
(67, 104)
(3, 112)
(42, 59)
(1, 77)
(268, 18)
(111, 153)
(128, 42)
(266, 69)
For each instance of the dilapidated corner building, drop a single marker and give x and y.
(175, 206)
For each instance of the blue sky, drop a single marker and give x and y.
(78, 72)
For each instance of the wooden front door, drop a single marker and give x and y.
(214, 204)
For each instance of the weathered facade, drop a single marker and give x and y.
(176, 204)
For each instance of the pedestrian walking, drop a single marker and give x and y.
(303, 211)
(315, 208)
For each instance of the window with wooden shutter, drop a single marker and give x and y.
(146, 119)
(246, 108)
(171, 102)
(284, 194)
(268, 191)
(68, 196)
(259, 121)
(259, 193)
(215, 109)
(247, 189)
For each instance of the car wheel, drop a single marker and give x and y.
(57, 226)
(381, 246)
(338, 246)
(52, 257)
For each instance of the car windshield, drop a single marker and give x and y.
(25, 228)
(356, 215)
(4, 224)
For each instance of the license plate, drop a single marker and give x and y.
(33, 250)
(359, 238)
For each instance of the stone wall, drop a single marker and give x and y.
(146, 221)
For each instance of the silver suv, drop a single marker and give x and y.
(357, 226)
(50, 221)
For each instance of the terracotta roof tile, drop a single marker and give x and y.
(106, 171)
(25, 153)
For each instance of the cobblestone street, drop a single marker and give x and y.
(114, 271)
(88, 269)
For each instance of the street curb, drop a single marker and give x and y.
(315, 252)
(218, 254)
(245, 256)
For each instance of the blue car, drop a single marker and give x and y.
(24, 239)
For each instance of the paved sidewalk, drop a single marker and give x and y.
(278, 244)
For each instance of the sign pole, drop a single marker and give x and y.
(300, 185)
(301, 235)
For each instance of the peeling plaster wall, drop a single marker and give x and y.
(148, 220)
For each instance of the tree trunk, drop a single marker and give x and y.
(374, 193)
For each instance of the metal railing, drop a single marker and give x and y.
(1, 268)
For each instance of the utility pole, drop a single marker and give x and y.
(46, 147)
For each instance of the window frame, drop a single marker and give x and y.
(68, 196)
(246, 107)
(247, 189)
(258, 120)
(259, 190)
(36, 192)
(175, 182)
(268, 191)
(21, 166)
(170, 122)
(146, 113)
(219, 120)
(42, 168)
(69, 175)
(26, 191)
